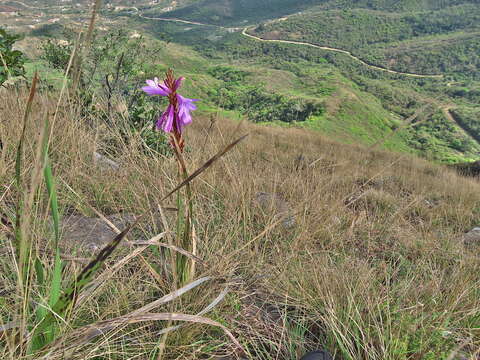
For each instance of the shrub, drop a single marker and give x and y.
(11, 61)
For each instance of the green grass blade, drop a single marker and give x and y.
(41, 338)
(55, 287)
(56, 282)
(52, 193)
(39, 272)
(40, 276)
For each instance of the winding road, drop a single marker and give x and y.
(348, 53)
(244, 31)
(178, 21)
(291, 42)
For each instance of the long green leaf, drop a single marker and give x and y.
(45, 337)
(52, 195)
(56, 282)
(40, 276)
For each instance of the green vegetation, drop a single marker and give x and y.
(436, 138)
(423, 37)
(226, 12)
(255, 102)
(445, 41)
(11, 61)
(282, 84)
(469, 119)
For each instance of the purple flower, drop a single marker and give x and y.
(154, 88)
(177, 115)
(185, 105)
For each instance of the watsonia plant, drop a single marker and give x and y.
(172, 121)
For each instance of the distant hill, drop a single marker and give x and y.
(235, 12)
(445, 40)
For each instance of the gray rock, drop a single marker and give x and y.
(104, 163)
(472, 237)
(276, 205)
(91, 234)
(300, 163)
(317, 355)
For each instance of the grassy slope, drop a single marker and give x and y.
(374, 268)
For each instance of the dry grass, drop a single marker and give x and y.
(373, 269)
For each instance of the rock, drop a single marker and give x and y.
(300, 163)
(104, 163)
(317, 355)
(91, 234)
(472, 237)
(276, 205)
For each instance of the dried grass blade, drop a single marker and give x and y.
(18, 176)
(85, 334)
(9, 326)
(171, 296)
(78, 64)
(95, 284)
(171, 247)
(214, 303)
(204, 167)
(98, 328)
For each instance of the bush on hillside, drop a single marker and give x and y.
(11, 61)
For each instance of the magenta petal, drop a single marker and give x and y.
(178, 82)
(185, 105)
(165, 122)
(167, 119)
(154, 90)
(160, 121)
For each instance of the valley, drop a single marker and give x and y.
(227, 35)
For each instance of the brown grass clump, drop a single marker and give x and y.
(374, 268)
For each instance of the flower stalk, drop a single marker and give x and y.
(173, 121)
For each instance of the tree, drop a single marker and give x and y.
(11, 61)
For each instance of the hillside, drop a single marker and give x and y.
(374, 268)
(282, 89)
(338, 95)
(241, 12)
(445, 41)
